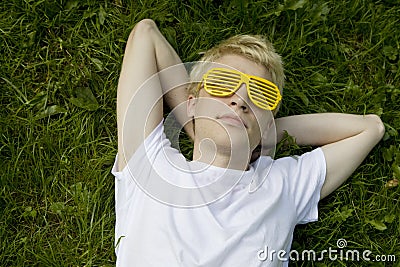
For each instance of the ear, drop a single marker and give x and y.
(191, 106)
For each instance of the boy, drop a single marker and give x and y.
(219, 209)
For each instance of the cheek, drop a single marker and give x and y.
(210, 106)
(262, 121)
(254, 137)
(263, 118)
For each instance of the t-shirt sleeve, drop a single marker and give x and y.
(124, 179)
(306, 178)
(149, 147)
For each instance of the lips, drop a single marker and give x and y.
(233, 119)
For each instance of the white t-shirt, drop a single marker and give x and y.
(156, 226)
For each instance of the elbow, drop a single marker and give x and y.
(142, 29)
(376, 126)
(144, 25)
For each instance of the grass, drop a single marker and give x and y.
(59, 69)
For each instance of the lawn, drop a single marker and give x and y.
(59, 67)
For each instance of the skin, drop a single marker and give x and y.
(230, 123)
(345, 139)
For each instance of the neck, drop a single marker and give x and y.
(221, 156)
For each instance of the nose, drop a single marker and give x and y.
(239, 98)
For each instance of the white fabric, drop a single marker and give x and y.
(228, 232)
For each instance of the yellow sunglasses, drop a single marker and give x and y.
(225, 82)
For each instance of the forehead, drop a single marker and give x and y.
(245, 65)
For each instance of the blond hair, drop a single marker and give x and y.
(255, 47)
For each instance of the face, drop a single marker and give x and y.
(231, 120)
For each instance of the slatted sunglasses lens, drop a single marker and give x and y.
(221, 82)
(265, 94)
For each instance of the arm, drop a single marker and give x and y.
(345, 139)
(140, 108)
